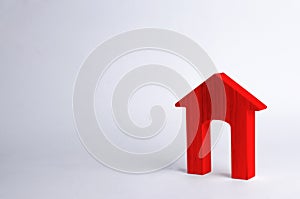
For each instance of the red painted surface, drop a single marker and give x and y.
(221, 98)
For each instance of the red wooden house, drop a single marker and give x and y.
(221, 98)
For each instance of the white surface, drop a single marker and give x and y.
(42, 45)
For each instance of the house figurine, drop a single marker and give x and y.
(221, 98)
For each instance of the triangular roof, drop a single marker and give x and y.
(258, 105)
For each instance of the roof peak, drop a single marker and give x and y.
(238, 88)
(257, 104)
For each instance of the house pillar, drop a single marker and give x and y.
(199, 161)
(243, 145)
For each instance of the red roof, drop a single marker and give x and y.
(257, 104)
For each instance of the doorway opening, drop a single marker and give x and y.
(221, 147)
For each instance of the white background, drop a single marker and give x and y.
(44, 43)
